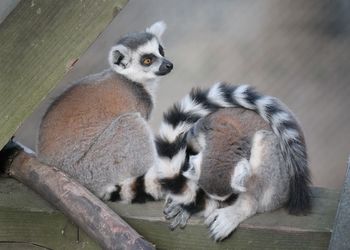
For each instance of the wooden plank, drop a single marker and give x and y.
(341, 232)
(276, 230)
(29, 222)
(20, 246)
(49, 230)
(39, 41)
(76, 202)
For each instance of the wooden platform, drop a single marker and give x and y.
(28, 222)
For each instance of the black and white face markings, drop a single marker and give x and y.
(181, 117)
(148, 59)
(140, 56)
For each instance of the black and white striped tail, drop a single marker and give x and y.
(199, 103)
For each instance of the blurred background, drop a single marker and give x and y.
(296, 50)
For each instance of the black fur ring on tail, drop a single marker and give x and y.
(199, 103)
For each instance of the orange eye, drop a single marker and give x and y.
(147, 61)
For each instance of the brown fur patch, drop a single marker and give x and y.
(228, 139)
(77, 117)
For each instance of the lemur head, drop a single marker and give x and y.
(140, 56)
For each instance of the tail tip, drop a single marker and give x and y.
(299, 202)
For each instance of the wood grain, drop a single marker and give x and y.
(276, 230)
(77, 203)
(39, 42)
(341, 231)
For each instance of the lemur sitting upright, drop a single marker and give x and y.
(230, 165)
(97, 130)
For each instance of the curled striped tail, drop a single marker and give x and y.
(199, 103)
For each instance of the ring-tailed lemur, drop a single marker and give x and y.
(97, 130)
(268, 169)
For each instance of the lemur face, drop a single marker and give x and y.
(140, 56)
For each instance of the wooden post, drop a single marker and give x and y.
(75, 201)
(341, 231)
(39, 42)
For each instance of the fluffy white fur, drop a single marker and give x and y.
(216, 97)
(188, 196)
(126, 193)
(188, 105)
(241, 174)
(223, 221)
(261, 104)
(210, 206)
(218, 198)
(152, 186)
(170, 167)
(170, 133)
(256, 151)
(194, 170)
(106, 195)
(280, 117)
(240, 96)
(157, 29)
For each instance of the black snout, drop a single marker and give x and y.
(165, 67)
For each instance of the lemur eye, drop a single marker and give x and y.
(147, 61)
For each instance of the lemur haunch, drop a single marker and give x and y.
(97, 130)
(228, 164)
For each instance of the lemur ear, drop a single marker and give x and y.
(119, 55)
(157, 29)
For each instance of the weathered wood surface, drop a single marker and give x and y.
(25, 217)
(341, 232)
(77, 203)
(39, 41)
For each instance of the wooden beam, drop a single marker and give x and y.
(341, 231)
(77, 203)
(25, 217)
(39, 41)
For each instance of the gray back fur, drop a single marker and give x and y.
(269, 183)
(135, 40)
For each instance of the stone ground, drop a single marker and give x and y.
(295, 50)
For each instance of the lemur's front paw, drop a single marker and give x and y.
(171, 209)
(177, 215)
(221, 223)
(180, 220)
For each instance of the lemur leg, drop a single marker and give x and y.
(200, 202)
(179, 208)
(223, 221)
(242, 172)
(179, 214)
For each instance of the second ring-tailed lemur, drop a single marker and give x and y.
(224, 172)
(97, 130)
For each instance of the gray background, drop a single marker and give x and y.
(296, 50)
(6, 6)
